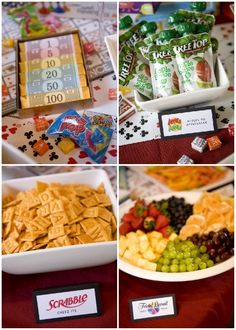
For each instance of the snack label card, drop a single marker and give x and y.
(152, 307)
(67, 302)
(187, 121)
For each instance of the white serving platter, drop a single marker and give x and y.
(111, 43)
(186, 99)
(226, 179)
(62, 258)
(190, 197)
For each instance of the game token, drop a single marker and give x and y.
(40, 123)
(66, 145)
(41, 147)
(199, 144)
(185, 160)
(112, 93)
(89, 48)
(231, 129)
(214, 143)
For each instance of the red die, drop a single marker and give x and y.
(40, 147)
(214, 143)
(231, 129)
(89, 48)
(40, 124)
(112, 93)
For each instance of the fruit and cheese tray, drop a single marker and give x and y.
(185, 232)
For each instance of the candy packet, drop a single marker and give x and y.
(134, 73)
(92, 139)
(142, 47)
(165, 81)
(182, 15)
(194, 59)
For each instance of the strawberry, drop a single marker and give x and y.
(162, 221)
(137, 223)
(166, 231)
(140, 208)
(128, 217)
(125, 228)
(149, 223)
(153, 210)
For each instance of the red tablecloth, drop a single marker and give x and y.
(206, 303)
(169, 151)
(17, 310)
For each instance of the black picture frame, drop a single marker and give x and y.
(183, 110)
(67, 289)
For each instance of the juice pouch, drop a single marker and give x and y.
(181, 16)
(215, 46)
(142, 47)
(137, 33)
(194, 60)
(164, 78)
(134, 73)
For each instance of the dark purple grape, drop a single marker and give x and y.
(221, 250)
(212, 253)
(204, 237)
(211, 234)
(209, 245)
(224, 256)
(216, 242)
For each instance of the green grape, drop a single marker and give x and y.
(190, 267)
(166, 254)
(197, 260)
(174, 268)
(175, 262)
(203, 249)
(161, 260)
(190, 244)
(182, 268)
(205, 257)
(172, 254)
(171, 245)
(166, 261)
(187, 254)
(180, 255)
(158, 269)
(182, 261)
(165, 268)
(194, 253)
(210, 263)
(188, 261)
(202, 265)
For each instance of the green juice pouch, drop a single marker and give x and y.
(137, 33)
(142, 47)
(134, 73)
(165, 81)
(181, 16)
(215, 46)
(194, 60)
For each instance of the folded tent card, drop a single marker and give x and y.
(51, 70)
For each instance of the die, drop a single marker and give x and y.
(199, 144)
(66, 145)
(185, 160)
(89, 48)
(40, 147)
(231, 129)
(214, 143)
(40, 124)
(112, 93)
(8, 43)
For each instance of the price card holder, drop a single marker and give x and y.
(56, 102)
(187, 121)
(148, 308)
(66, 303)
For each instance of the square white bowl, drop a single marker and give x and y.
(68, 257)
(111, 43)
(186, 99)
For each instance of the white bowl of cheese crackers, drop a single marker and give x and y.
(58, 222)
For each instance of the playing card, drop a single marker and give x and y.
(138, 128)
